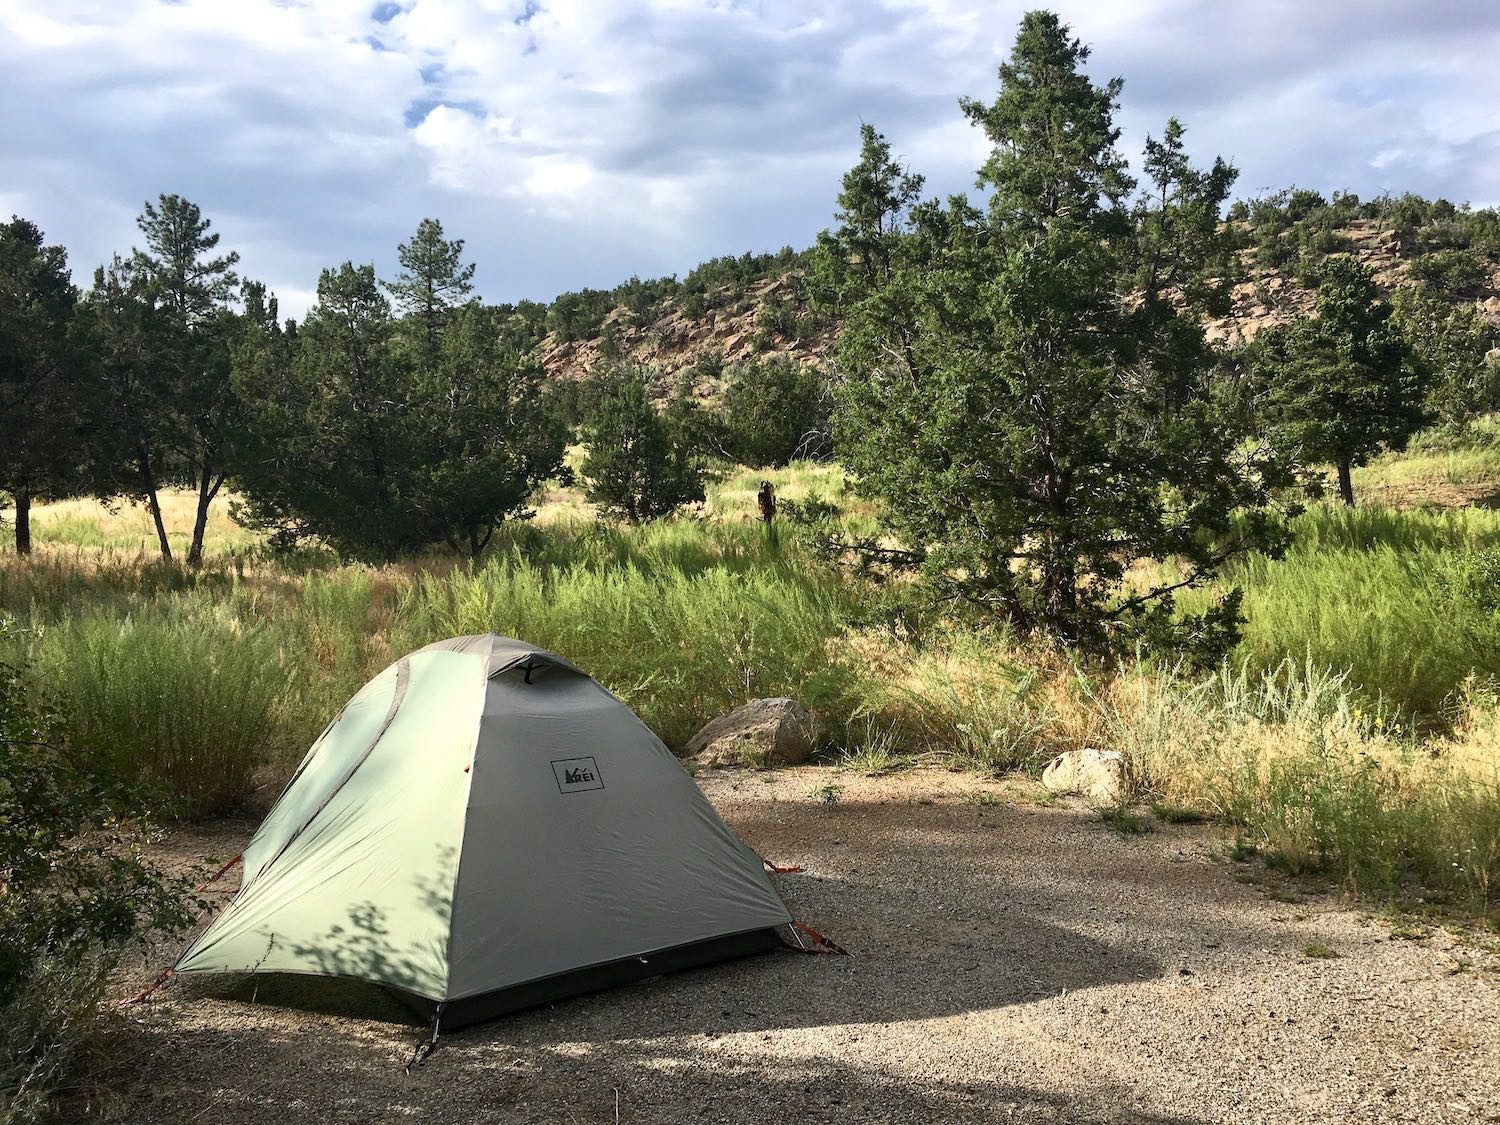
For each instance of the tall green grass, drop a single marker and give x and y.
(678, 645)
(1376, 619)
(1382, 595)
(187, 705)
(1291, 757)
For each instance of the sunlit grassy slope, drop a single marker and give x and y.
(1355, 730)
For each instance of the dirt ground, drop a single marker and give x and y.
(1011, 962)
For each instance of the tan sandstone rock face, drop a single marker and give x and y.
(763, 732)
(1098, 775)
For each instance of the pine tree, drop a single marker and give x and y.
(433, 282)
(40, 394)
(352, 442)
(1031, 419)
(1341, 384)
(637, 466)
(193, 290)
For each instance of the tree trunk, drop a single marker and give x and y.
(1346, 483)
(206, 493)
(479, 538)
(22, 498)
(148, 485)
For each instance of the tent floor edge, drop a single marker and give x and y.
(595, 978)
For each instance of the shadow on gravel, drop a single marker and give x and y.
(910, 967)
(269, 1074)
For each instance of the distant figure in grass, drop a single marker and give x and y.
(766, 499)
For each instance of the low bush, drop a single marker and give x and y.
(73, 894)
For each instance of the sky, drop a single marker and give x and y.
(574, 143)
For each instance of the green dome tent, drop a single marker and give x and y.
(483, 828)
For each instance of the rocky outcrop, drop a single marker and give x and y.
(673, 342)
(735, 331)
(764, 732)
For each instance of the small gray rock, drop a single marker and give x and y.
(764, 732)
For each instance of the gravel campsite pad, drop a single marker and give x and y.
(1012, 962)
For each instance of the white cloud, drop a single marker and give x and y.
(575, 143)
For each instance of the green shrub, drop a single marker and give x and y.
(638, 466)
(73, 894)
(775, 411)
(1457, 273)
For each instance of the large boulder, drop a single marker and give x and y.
(764, 732)
(1097, 774)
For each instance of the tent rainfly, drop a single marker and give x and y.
(483, 828)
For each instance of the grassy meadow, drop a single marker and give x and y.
(1355, 732)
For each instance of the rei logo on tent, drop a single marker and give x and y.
(577, 774)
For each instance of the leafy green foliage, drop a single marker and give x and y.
(330, 429)
(643, 299)
(1450, 342)
(1455, 273)
(640, 465)
(120, 331)
(487, 437)
(1341, 384)
(777, 410)
(75, 894)
(41, 401)
(1031, 431)
(720, 280)
(355, 444)
(579, 316)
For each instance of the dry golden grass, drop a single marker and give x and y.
(127, 527)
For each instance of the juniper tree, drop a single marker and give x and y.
(351, 442)
(40, 394)
(485, 436)
(1343, 383)
(1451, 342)
(776, 410)
(329, 431)
(1022, 385)
(638, 466)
